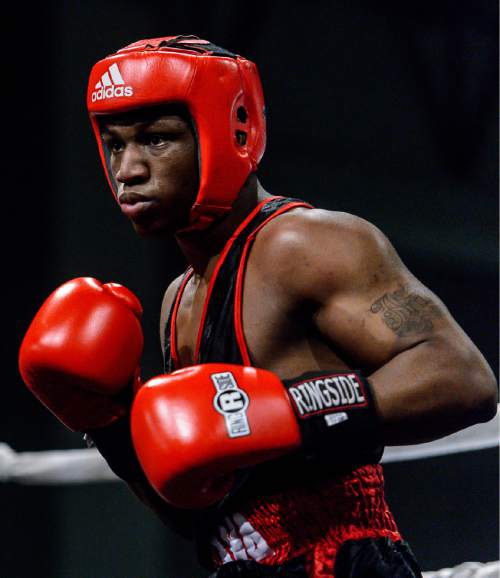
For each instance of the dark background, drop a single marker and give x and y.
(384, 109)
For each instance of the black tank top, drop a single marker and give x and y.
(221, 336)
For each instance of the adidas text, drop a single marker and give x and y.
(112, 91)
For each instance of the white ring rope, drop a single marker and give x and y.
(468, 570)
(55, 467)
(87, 465)
(477, 437)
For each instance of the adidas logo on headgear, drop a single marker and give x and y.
(111, 85)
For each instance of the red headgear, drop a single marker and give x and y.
(222, 92)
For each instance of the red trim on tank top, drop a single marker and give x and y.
(218, 265)
(238, 298)
(177, 302)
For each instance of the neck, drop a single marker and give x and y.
(202, 248)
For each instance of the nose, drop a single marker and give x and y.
(132, 167)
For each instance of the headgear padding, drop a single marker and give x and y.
(222, 93)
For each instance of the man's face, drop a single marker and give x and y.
(153, 159)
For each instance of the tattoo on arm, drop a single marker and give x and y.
(406, 313)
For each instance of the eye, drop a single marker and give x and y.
(156, 140)
(116, 146)
(113, 145)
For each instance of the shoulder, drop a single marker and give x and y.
(315, 245)
(295, 230)
(166, 305)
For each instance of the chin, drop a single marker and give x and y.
(157, 230)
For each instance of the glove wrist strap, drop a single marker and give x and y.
(336, 415)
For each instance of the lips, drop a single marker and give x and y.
(134, 205)
(132, 198)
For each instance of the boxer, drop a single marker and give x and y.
(296, 344)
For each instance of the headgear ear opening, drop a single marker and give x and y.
(222, 92)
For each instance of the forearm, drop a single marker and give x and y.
(432, 390)
(180, 521)
(115, 444)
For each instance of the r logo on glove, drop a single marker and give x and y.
(232, 403)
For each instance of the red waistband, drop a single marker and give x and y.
(312, 521)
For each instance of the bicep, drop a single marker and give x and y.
(379, 309)
(374, 324)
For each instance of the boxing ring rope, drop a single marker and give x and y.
(467, 570)
(81, 466)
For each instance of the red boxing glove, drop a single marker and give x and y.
(82, 348)
(193, 428)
